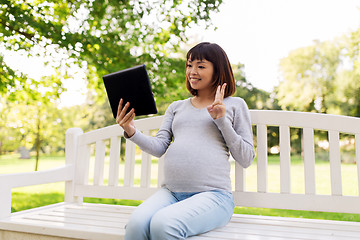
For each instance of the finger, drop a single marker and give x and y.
(119, 107)
(131, 118)
(223, 90)
(122, 112)
(218, 93)
(127, 118)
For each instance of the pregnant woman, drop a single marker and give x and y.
(197, 136)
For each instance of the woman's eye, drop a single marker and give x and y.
(201, 67)
(188, 65)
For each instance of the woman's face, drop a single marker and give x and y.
(199, 74)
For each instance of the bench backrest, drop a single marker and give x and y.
(100, 172)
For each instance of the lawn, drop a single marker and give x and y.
(30, 197)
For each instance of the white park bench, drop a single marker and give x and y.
(100, 177)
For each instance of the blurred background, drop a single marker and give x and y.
(298, 55)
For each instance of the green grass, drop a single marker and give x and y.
(36, 196)
(298, 214)
(25, 200)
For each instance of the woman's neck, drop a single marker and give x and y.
(205, 95)
(203, 100)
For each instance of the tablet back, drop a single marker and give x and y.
(132, 85)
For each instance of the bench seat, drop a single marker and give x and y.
(102, 164)
(99, 221)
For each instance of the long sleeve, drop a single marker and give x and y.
(157, 145)
(237, 133)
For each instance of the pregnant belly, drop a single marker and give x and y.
(194, 163)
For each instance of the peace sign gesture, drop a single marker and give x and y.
(217, 108)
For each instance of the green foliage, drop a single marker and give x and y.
(101, 36)
(347, 93)
(31, 126)
(312, 69)
(96, 37)
(323, 77)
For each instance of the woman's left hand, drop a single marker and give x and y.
(217, 108)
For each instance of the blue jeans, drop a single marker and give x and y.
(170, 215)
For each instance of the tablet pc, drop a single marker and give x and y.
(133, 86)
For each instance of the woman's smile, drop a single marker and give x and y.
(194, 80)
(199, 74)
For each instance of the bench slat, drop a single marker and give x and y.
(260, 233)
(89, 215)
(119, 192)
(76, 231)
(236, 237)
(129, 163)
(285, 182)
(77, 220)
(319, 121)
(335, 163)
(357, 152)
(239, 177)
(145, 180)
(280, 225)
(349, 228)
(101, 134)
(99, 163)
(307, 202)
(82, 167)
(262, 163)
(309, 160)
(114, 160)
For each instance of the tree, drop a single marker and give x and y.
(312, 70)
(101, 36)
(8, 137)
(322, 78)
(350, 77)
(35, 126)
(345, 98)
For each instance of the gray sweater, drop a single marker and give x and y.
(196, 147)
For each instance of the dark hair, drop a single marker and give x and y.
(222, 69)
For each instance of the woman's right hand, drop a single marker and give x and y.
(126, 120)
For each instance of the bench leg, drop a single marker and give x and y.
(5, 200)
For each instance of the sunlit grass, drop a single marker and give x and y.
(298, 214)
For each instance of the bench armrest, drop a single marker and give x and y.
(59, 174)
(9, 181)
